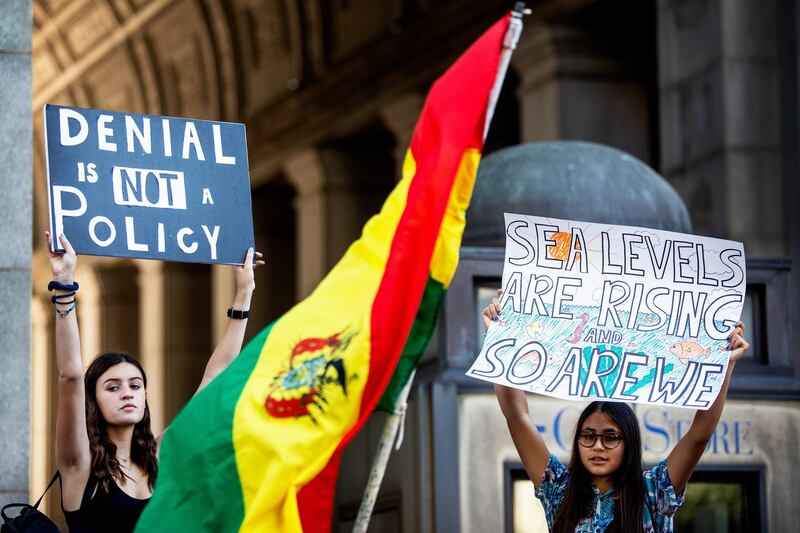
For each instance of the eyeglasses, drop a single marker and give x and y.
(587, 439)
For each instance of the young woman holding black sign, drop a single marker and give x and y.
(105, 452)
(605, 488)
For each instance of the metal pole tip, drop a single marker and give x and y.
(521, 9)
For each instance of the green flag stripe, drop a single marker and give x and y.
(418, 338)
(189, 457)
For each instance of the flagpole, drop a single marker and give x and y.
(382, 458)
(396, 419)
(510, 42)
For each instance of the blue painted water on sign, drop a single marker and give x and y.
(560, 337)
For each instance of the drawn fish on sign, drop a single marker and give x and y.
(688, 349)
(534, 329)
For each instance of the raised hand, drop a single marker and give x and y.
(491, 311)
(245, 278)
(63, 264)
(231, 343)
(736, 342)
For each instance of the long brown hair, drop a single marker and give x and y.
(628, 484)
(105, 466)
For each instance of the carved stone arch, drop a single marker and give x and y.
(356, 25)
(315, 35)
(229, 70)
(51, 58)
(141, 60)
(186, 65)
(269, 47)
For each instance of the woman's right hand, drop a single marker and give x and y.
(492, 311)
(736, 343)
(63, 264)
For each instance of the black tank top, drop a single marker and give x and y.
(112, 511)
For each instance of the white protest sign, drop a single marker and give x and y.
(600, 312)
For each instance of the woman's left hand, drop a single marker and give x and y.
(736, 343)
(245, 278)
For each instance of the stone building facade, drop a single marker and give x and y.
(703, 91)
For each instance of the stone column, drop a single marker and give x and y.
(223, 284)
(187, 331)
(400, 117)
(721, 118)
(571, 88)
(43, 376)
(306, 173)
(152, 316)
(89, 309)
(338, 187)
(16, 141)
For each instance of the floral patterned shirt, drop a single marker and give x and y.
(660, 500)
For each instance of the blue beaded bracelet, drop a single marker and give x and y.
(54, 285)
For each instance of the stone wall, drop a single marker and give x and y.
(721, 141)
(15, 239)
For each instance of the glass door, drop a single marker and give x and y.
(722, 502)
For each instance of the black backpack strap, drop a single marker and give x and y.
(10, 506)
(25, 506)
(55, 477)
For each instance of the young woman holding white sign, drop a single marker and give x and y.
(605, 488)
(105, 452)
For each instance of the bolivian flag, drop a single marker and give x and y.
(258, 449)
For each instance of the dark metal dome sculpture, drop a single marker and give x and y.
(570, 180)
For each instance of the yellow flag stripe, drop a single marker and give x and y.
(445, 254)
(289, 452)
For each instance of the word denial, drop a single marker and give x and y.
(149, 187)
(613, 312)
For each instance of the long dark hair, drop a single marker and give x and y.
(578, 500)
(105, 466)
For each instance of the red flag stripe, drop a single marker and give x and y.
(452, 120)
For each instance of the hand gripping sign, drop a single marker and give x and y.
(599, 312)
(149, 187)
